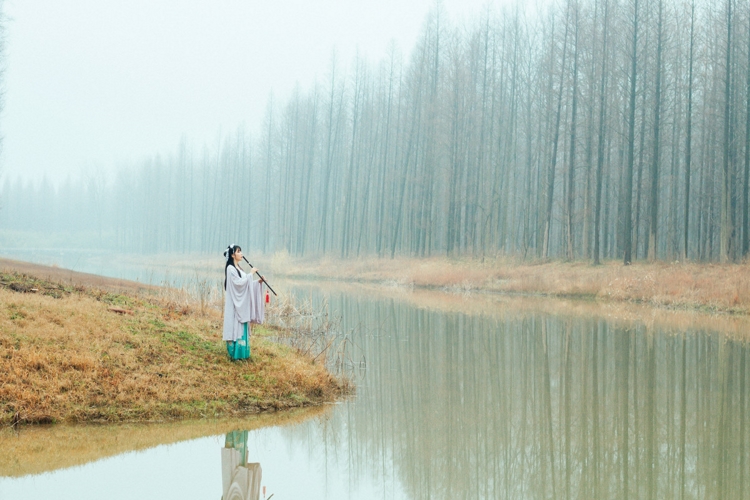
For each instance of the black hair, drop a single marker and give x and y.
(229, 254)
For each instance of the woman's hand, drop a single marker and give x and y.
(253, 270)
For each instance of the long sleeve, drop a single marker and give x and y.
(243, 303)
(237, 288)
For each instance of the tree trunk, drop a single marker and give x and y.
(689, 134)
(746, 174)
(726, 196)
(627, 237)
(573, 139)
(553, 164)
(600, 146)
(654, 202)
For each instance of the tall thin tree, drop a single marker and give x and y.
(628, 180)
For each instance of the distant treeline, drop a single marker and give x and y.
(586, 129)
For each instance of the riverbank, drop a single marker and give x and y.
(707, 287)
(73, 445)
(72, 352)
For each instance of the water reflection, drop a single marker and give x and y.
(68, 446)
(494, 404)
(240, 480)
(543, 406)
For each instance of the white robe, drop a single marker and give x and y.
(243, 303)
(240, 482)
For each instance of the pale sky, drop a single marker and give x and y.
(95, 84)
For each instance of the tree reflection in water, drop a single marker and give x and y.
(240, 480)
(540, 406)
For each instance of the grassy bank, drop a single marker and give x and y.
(75, 353)
(699, 286)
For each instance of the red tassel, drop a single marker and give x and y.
(268, 298)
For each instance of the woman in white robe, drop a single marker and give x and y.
(240, 480)
(243, 304)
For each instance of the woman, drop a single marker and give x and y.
(240, 480)
(243, 304)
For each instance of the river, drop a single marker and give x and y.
(458, 396)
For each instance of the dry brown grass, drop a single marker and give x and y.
(37, 449)
(620, 314)
(708, 287)
(65, 356)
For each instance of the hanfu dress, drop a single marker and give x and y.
(240, 480)
(243, 306)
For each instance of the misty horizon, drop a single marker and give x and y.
(92, 86)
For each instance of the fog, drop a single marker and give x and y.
(581, 129)
(97, 84)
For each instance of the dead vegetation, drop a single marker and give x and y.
(700, 286)
(315, 334)
(68, 354)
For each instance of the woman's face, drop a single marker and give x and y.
(237, 254)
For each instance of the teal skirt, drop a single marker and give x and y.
(240, 349)
(238, 441)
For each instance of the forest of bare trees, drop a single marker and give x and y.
(583, 130)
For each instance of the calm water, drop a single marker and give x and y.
(492, 404)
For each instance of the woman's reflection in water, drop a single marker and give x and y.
(241, 480)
